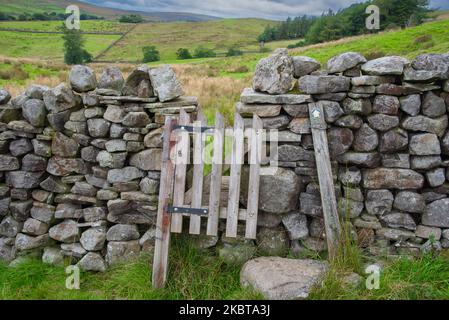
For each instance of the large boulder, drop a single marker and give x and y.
(67, 232)
(324, 84)
(428, 68)
(93, 262)
(60, 98)
(82, 79)
(426, 124)
(93, 239)
(135, 79)
(279, 190)
(5, 96)
(393, 65)
(165, 84)
(345, 61)
(274, 74)
(112, 79)
(64, 146)
(283, 279)
(436, 214)
(122, 251)
(34, 112)
(389, 178)
(148, 160)
(304, 66)
(123, 232)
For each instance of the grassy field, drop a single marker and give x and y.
(27, 45)
(86, 25)
(169, 37)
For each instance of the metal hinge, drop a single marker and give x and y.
(189, 211)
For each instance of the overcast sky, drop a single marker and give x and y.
(270, 9)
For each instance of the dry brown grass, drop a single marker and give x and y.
(215, 93)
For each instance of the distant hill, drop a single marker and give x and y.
(38, 6)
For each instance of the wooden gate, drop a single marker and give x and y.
(177, 205)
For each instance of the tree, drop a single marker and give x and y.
(74, 52)
(131, 18)
(183, 54)
(202, 52)
(234, 51)
(150, 54)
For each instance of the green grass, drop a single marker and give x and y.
(51, 26)
(422, 278)
(399, 42)
(13, 73)
(194, 274)
(29, 6)
(45, 46)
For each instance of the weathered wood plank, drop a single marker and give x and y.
(328, 199)
(198, 172)
(162, 243)
(216, 174)
(182, 158)
(236, 172)
(255, 156)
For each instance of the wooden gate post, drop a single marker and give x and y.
(162, 243)
(327, 190)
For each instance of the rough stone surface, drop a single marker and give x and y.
(282, 279)
(304, 66)
(274, 74)
(66, 232)
(386, 178)
(324, 84)
(34, 112)
(82, 79)
(436, 215)
(345, 61)
(93, 262)
(164, 82)
(385, 66)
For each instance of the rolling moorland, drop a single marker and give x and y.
(41, 6)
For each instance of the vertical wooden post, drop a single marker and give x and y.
(198, 172)
(328, 199)
(183, 158)
(235, 178)
(160, 261)
(255, 156)
(216, 174)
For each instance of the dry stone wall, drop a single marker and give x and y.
(80, 165)
(389, 144)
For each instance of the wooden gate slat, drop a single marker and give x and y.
(182, 156)
(328, 199)
(216, 174)
(162, 242)
(255, 154)
(236, 172)
(198, 172)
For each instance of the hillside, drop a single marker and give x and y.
(39, 6)
(169, 37)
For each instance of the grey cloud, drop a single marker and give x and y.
(270, 9)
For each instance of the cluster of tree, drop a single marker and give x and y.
(45, 16)
(131, 18)
(150, 54)
(202, 52)
(348, 22)
(289, 29)
(74, 52)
